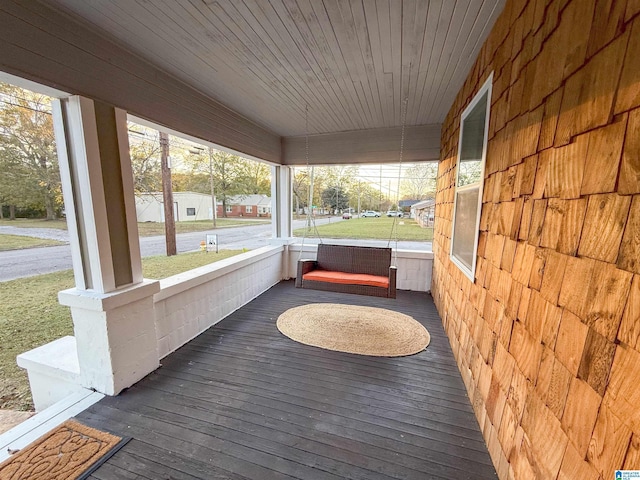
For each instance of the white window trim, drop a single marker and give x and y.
(486, 88)
(248, 209)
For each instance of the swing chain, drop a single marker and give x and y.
(394, 226)
(310, 220)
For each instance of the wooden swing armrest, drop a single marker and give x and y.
(304, 266)
(393, 272)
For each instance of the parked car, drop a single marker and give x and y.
(394, 213)
(370, 213)
(346, 215)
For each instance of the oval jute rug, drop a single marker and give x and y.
(353, 329)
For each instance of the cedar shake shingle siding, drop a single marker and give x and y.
(547, 337)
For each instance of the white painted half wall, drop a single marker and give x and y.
(189, 303)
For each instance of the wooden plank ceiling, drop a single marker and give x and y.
(353, 62)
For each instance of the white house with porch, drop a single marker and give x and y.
(535, 265)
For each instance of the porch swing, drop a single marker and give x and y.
(349, 268)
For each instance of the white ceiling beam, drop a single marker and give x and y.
(376, 145)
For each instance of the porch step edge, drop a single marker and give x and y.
(23, 434)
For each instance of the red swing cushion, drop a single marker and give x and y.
(347, 278)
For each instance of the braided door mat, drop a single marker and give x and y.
(71, 451)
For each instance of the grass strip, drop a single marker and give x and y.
(149, 229)
(20, 242)
(371, 228)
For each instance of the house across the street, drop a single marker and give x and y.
(197, 206)
(254, 205)
(186, 206)
(424, 212)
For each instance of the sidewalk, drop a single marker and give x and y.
(46, 233)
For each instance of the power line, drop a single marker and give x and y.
(25, 108)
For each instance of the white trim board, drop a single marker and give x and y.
(30, 430)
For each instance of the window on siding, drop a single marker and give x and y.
(248, 209)
(191, 212)
(472, 151)
(229, 209)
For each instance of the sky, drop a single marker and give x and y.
(380, 176)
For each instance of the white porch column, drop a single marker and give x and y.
(281, 208)
(97, 183)
(112, 306)
(281, 201)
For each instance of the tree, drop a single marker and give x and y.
(31, 177)
(366, 196)
(300, 185)
(232, 175)
(227, 174)
(145, 163)
(341, 175)
(470, 172)
(254, 176)
(419, 181)
(336, 198)
(15, 187)
(191, 182)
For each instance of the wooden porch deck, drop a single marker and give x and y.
(241, 401)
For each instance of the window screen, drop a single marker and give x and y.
(469, 180)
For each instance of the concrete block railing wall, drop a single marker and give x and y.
(190, 302)
(414, 266)
(182, 307)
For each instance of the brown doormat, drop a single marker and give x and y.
(71, 451)
(353, 329)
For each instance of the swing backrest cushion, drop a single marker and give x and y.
(351, 259)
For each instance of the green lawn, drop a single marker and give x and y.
(30, 316)
(18, 242)
(371, 228)
(148, 229)
(161, 266)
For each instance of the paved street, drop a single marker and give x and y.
(35, 261)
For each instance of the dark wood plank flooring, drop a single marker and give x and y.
(241, 401)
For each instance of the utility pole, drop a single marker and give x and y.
(167, 196)
(213, 191)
